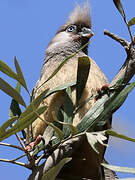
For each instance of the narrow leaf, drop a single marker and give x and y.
(56, 129)
(20, 74)
(82, 76)
(18, 87)
(47, 93)
(131, 22)
(54, 171)
(118, 5)
(48, 133)
(7, 124)
(67, 111)
(119, 169)
(119, 100)
(7, 70)
(4, 86)
(121, 136)
(72, 128)
(63, 62)
(21, 124)
(14, 107)
(92, 141)
(100, 136)
(103, 109)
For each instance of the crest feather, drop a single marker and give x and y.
(81, 14)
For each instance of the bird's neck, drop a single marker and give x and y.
(59, 54)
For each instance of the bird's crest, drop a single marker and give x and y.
(80, 14)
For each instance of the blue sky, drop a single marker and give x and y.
(26, 29)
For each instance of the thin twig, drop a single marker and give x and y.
(18, 158)
(122, 41)
(23, 146)
(11, 145)
(20, 141)
(39, 159)
(14, 162)
(127, 70)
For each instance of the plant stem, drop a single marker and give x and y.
(11, 145)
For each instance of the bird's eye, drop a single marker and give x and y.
(71, 28)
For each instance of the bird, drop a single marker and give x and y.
(70, 37)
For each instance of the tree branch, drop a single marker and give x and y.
(120, 40)
(11, 145)
(66, 149)
(127, 70)
(15, 162)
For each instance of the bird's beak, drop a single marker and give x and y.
(86, 32)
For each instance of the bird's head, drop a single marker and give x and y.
(74, 33)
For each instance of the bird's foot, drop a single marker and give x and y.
(101, 91)
(31, 145)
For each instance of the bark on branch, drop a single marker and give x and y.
(66, 149)
(127, 70)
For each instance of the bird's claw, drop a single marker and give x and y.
(31, 145)
(101, 91)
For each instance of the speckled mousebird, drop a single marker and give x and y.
(70, 38)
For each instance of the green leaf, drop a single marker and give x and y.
(119, 169)
(131, 22)
(6, 125)
(119, 100)
(63, 62)
(121, 136)
(60, 88)
(82, 76)
(48, 133)
(21, 124)
(100, 136)
(7, 70)
(67, 111)
(54, 171)
(103, 109)
(14, 107)
(56, 129)
(118, 5)
(4, 86)
(20, 75)
(92, 115)
(95, 138)
(72, 128)
(92, 141)
(18, 87)
(47, 93)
